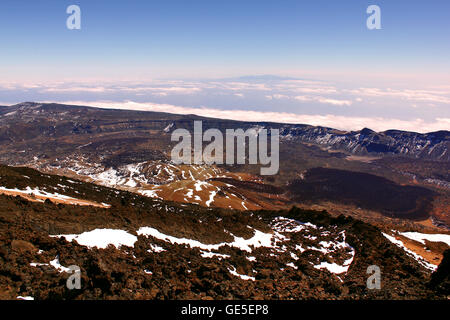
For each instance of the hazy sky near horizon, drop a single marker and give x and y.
(327, 66)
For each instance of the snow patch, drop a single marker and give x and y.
(421, 237)
(101, 238)
(417, 257)
(242, 276)
(259, 239)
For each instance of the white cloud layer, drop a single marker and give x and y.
(329, 120)
(261, 98)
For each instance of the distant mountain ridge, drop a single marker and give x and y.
(431, 146)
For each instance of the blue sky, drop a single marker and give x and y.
(400, 72)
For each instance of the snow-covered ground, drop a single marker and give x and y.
(101, 238)
(41, 195)
(417, 257)
(274, 240)
(25, 298)
(259, 239)
(282, 224)
(54, 263)
(242, 276)
(421, 237)
(156, 248)
(336, 268)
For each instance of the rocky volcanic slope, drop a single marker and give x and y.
(143, 248)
